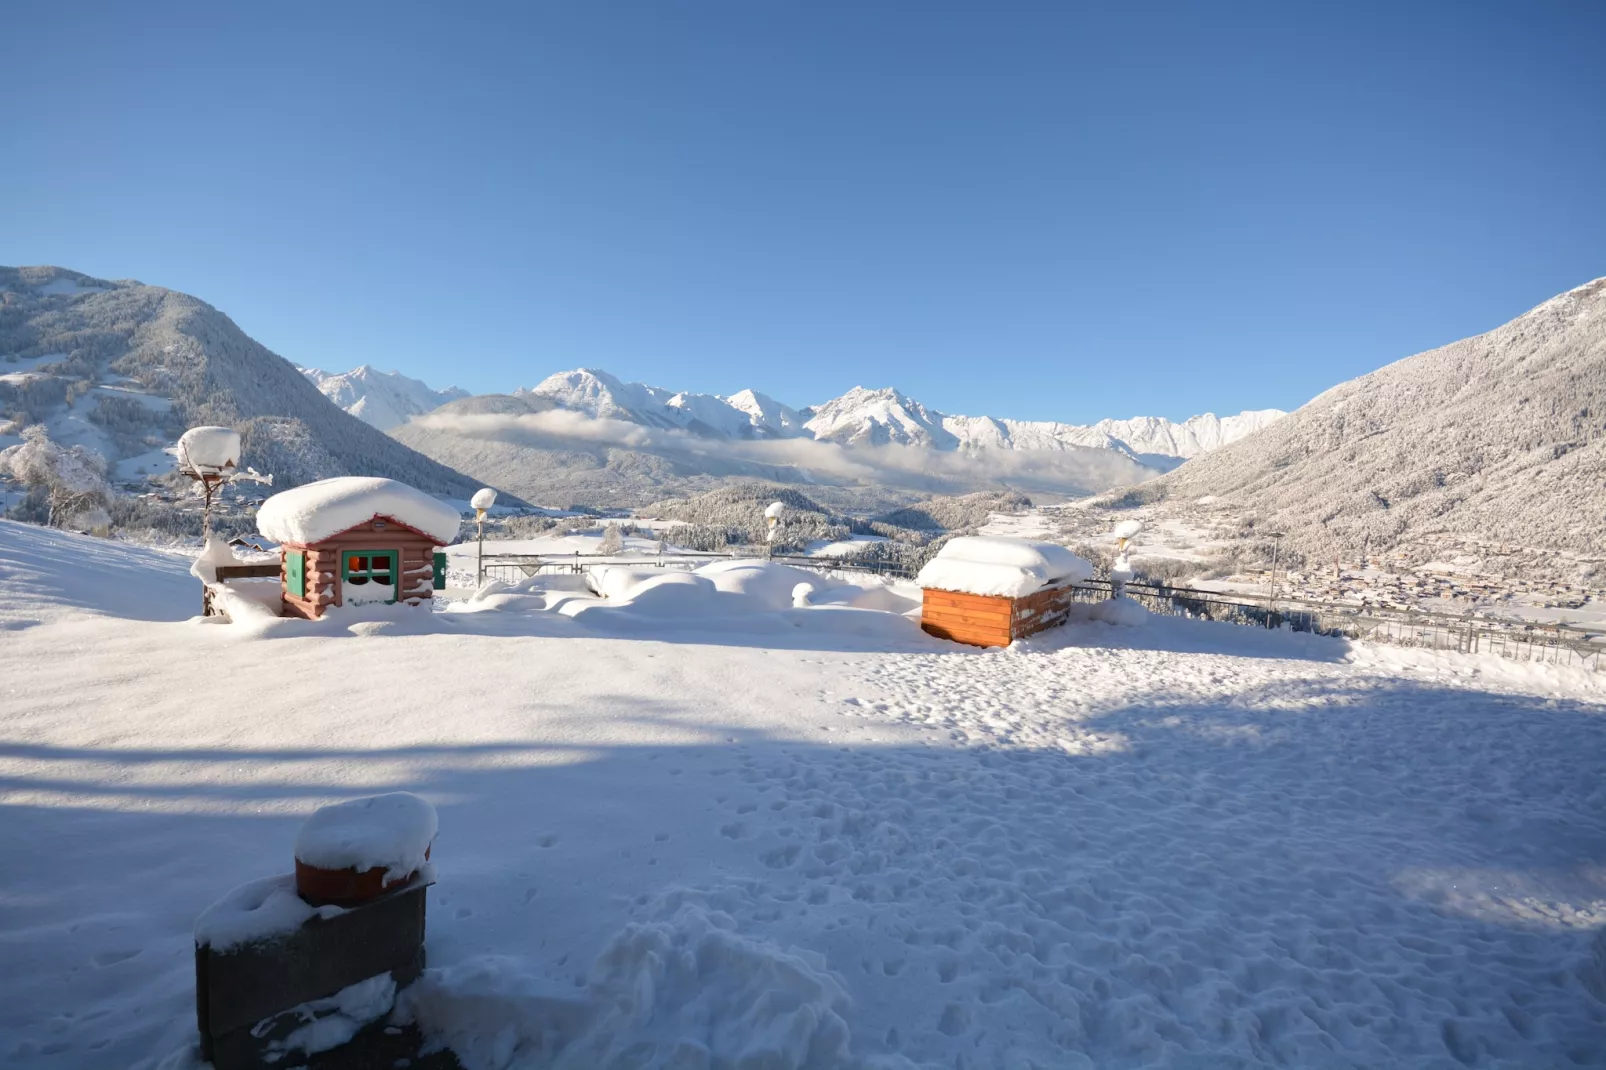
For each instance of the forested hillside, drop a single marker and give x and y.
(1500, 438)
(122, 368)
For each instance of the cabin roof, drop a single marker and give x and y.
(317, 512)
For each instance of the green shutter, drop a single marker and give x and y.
(440, 570)
(295, 573)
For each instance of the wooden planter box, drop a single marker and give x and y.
(993, 620)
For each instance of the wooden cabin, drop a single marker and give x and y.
(993, 620)
(354, 540)
(987, 590)
(382, 560)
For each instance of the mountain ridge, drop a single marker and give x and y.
(122, 368)
(861, 416)
(1498, 438)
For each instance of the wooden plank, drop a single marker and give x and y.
(1003, 612)
(933, 596)
(979, 609)
(969, 636)
(982, 612)
(964, 620)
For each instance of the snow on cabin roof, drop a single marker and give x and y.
(322, 510)
(997, 565)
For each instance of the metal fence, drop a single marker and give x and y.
(511, 568)
(1509, 637)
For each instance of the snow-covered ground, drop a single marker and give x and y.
(814, 834)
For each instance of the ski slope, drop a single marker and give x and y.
(698, 832)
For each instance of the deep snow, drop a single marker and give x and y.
(793, 835)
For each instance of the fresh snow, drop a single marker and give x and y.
(208, 450)
(257, 910)
(788, 838)
(391, 832)
(1000, 565)
(315, 511)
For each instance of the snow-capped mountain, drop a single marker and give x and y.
(1193, 436)
(884, 417)
(746, 414)
(381, 399)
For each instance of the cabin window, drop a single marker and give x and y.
(369, 575)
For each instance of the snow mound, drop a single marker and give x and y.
(216, 553)
(254, 911)
(1125, 611)
(766, 584)
(999, 565)
(317, 511)
(390, 832)
(209, 450)
(757, 585)
(483, 498)
(686, 992)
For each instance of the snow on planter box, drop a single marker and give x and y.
(295, 966)
(988, 590)
(357, 539)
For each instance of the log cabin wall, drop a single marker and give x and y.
(993, 620)
(415, 564)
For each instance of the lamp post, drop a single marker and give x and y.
(772, 518)
(1121, 569)
(483, 499)
(1271, 595)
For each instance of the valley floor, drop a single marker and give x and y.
(817, 837)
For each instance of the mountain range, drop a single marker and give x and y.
(1500, 437)
(861, 417)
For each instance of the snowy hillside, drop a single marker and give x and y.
(122, 368)
(380, 399)
(710, 823)
(1500, 438)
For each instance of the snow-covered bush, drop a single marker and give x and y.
(72, 477)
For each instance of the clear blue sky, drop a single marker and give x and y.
(1042, 210)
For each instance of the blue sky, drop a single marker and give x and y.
(1041, 210)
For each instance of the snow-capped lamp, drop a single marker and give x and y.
(772, 517)
(482, 501)
(1121, 570)
(211, 457)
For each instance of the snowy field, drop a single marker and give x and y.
(705, 826)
